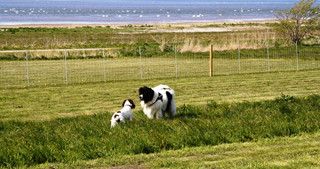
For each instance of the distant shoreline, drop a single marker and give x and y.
(176, 24)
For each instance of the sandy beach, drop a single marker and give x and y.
(167, 27)
(180, 24)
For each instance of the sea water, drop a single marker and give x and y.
(18, 12)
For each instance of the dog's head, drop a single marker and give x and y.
(128, 102)
(146, 94)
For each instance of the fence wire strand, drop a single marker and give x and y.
(59, 67)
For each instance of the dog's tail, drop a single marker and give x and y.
(169, 96)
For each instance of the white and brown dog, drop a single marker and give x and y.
(124, 114)
(157, 101)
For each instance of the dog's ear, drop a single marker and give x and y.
(141, 90)
(144, 88)
(123, 103)
(132, 103)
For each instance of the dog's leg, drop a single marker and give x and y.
(148, 112)
(122, 119)
(159, 114)
(150, 115)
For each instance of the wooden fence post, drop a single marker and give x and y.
(66, 66)
(211, 60)
(28, 78)
(297, 54)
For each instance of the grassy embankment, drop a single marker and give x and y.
(69, 140)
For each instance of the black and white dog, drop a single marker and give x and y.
(124, 114)
(157, 101)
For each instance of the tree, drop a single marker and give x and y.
(300, 21)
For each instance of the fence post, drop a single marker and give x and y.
(297, 54)
(28, 78)
(268, 55)
(175, 55)
(140, 62)
(104, 62)
(65, 58)
(239, 59)
(211, 60)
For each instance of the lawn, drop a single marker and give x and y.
(300, 151)
(68, 124)
(43, 103)
(72, 139)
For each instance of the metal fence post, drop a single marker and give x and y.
(297, 54)
(104, 62)
(28, 78)
(239, 58)
(175, 55)
(65, 58)
(140, 62)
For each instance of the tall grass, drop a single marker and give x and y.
(67, 140)
(99, 37)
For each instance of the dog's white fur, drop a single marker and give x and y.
(124, 114)
(158, 109)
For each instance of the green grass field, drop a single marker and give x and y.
(72, 139)
(251, 118)
(68, 125)
(300, 151)
(43, 103)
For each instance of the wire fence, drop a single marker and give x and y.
(20, 69)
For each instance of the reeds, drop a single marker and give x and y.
(231, 41)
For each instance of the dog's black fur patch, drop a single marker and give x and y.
(169, 96)
(132, 103)
(147, 94)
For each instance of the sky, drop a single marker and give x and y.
(160, 1)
